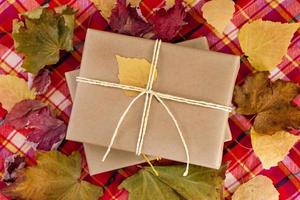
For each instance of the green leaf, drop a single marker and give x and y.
(42, 35)
(201, 184)
(145, 186)
(55, 177)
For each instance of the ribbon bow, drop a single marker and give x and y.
(148, 99)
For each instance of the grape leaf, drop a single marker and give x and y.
(218, 13)
(258, 188)
(272, 149)
(133, 71)
(266, 42)
(55, 176)
(201, 183)
(125, 19)
(13, 90)
(48, 131)
(167, 23)
(270, 102)
(41, 39)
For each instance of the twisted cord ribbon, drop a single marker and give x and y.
(147, 104)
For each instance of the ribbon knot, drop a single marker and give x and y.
(149, 93)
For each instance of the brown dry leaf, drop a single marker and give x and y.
(272, 149)
(258, 188)
(270, 102)
(218, 13)
(13, 90)
(266, 42)
(105, 6)
(133, 71)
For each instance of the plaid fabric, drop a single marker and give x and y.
(243, 162)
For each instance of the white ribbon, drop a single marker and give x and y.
(147, 104)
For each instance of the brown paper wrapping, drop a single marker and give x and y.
(182, 71)
(119, 158)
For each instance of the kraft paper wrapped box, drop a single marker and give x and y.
(182, 71)
(119, 158)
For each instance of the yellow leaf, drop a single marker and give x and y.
(169, 3)
(133, 71)
(258, 188)
(105, 6)
(266, 42)
(272, 149)
(134, 3)
(56, 176)
(13, 90)
(218, 13)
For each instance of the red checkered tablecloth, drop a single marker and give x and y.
(243, 162)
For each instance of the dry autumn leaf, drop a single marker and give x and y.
(13, 90)
(272, 149)
(201, 183)
(266, 42)
(270, 102)
(133, 71)
(218, 13)
(258, 188)
(55, 176)
(105, 7)
(41, 36)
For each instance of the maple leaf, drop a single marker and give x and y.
(48, 132)
(266, 42)
(40, 82)
(258, 188)
(272, 148)
(41, 39)
(218, 13)
(270, 102)
(133, 71)
(201, 183)
(13, 90)
(167, 23)
(125, 19)
(55, 176)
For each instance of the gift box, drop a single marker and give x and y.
(182, 72)
(119, 158)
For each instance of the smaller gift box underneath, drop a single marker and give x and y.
(97, 109)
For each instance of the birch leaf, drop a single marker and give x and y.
(258, 188)
(133, 71)
(218, 13)
(134, 3)
(272, 149)
(55, 176)
(13, 90)
(266, 42)
(105, 7)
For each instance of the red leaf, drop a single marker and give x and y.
(167, 23)
(125, 19)
(47, 131)
(41, 81)
(11, 165)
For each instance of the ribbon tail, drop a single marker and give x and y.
(119, 124)
(180, 134)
